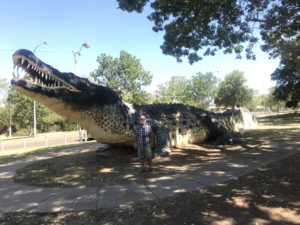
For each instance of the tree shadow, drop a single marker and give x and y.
(88, 169)
(270, 195)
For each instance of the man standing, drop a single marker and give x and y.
(143, 131)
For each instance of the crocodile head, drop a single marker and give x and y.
(73, 97)
(43, 82)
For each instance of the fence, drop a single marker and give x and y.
(43, 140)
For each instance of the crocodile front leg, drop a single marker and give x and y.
(162, 140)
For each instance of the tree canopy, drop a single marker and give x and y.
(22, 109)
(3, 89)
(206, 26)
(287, 75)
(203, 89)
(198, 91)
(173, 91)
(124, 75)
(233, 91)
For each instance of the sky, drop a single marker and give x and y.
(66, 25)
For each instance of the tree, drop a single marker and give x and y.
(3, 84)
(173, 91)
(206, 25)
(287, 75)
(3, 88)
(22, 113)
(271, 101)
(124, 75)
(233, 91)
(253, 101)
(4, 118)
(203, 89)
(22, 110)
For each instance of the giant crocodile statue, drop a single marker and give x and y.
(106, 117)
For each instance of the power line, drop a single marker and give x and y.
(7, 50)
(45, 51)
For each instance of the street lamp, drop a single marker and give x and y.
(34, 103)
(77, 54)
(39, 45)
(76, 57)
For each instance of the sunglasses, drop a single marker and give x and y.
(143, 119)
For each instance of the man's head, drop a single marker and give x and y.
(143, 119)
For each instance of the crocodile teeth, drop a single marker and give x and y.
(18, 71)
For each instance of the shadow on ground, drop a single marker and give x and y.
(270, 195)
(86, 168)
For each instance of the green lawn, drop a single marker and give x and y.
(280, 120)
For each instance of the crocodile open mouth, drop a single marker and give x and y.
(38, 75)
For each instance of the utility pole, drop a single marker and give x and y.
(34, 103)
(76, 57)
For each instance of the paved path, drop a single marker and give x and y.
(17, 197)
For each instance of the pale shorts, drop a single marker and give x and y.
(144, 151)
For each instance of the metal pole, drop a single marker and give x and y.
(46, 141)
(34, 118)
(34, 103)
(76, 56)
(9, 129)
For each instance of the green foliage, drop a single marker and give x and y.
(269, 100)
(22, 113)
(174, 91)
(3, 89)
(3, 84)
(4, 117)
(47, 120)
(233, 91)
(207, 26)
(22, 110)
(203, 89)
(254, 100)
(124, 75)
(287, 75)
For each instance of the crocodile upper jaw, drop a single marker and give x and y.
(38, 74)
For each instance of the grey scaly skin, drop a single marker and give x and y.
(109, 119)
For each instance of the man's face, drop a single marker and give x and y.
(143, 120)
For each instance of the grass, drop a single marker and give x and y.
(292, 119)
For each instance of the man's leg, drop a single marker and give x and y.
(141, 155)
(150, 163)
(142, 161)
(148, 153)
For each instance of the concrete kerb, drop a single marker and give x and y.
(16, 197)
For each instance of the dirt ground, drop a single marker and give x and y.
(270, 195)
